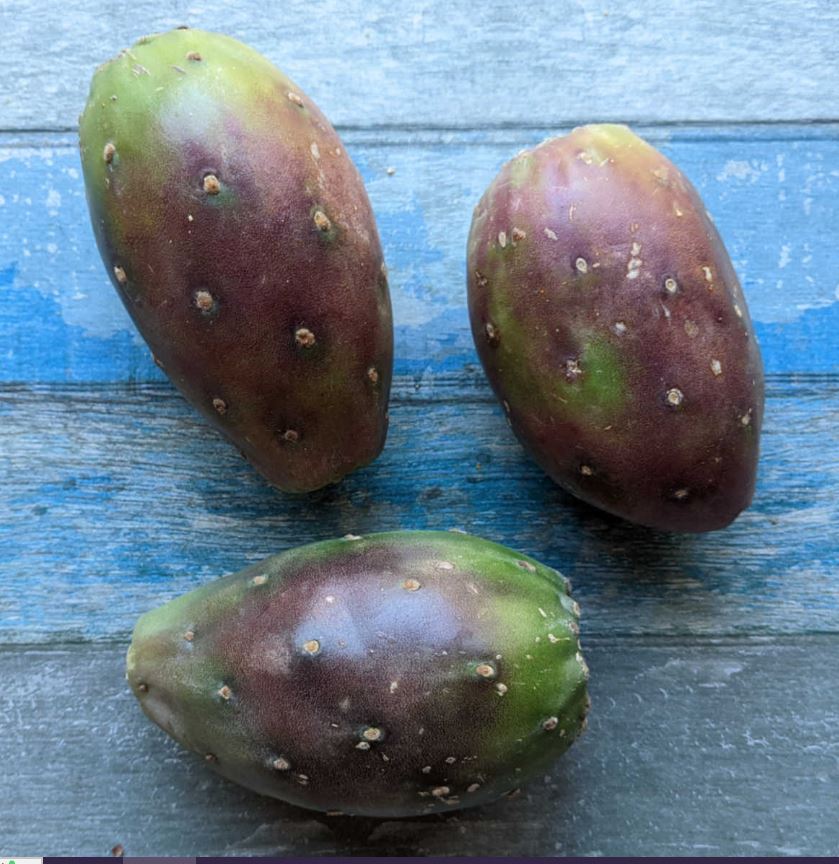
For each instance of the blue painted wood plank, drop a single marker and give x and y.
(441, 63)
(118, 498)
(773, 192)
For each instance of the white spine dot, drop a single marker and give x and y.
(211, 184)
(372, 733)
(304, 337)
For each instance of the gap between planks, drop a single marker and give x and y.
(598, 641)
(499, 133)
(468, 385)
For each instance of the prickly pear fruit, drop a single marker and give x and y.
(240, 238)
(611, 324)
(390, 675)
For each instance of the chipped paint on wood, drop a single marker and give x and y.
(118, 475)
(50, 270)
(109, 502)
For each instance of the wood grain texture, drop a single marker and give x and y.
(120, 498)
(715, 685)
(710, 748)
(463, 64)
(774, 194)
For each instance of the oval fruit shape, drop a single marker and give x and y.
(611, 325)
(239, 236)
(390, 675)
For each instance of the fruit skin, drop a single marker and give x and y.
(611, 325)
(240, 238)
(390, 675)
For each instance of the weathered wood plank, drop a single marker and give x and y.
(442, 63)
(119, 498)
(719, 748)
(774, 194)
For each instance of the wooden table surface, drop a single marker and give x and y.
(715, 681)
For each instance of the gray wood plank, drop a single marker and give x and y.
(713, 748)
(440, 63)
(120, 497)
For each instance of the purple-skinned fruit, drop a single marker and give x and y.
(390, 675)
(613, 329)
(239, 236)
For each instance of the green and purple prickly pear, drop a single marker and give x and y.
(387, 675)
(612, 327)
(240, 238)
